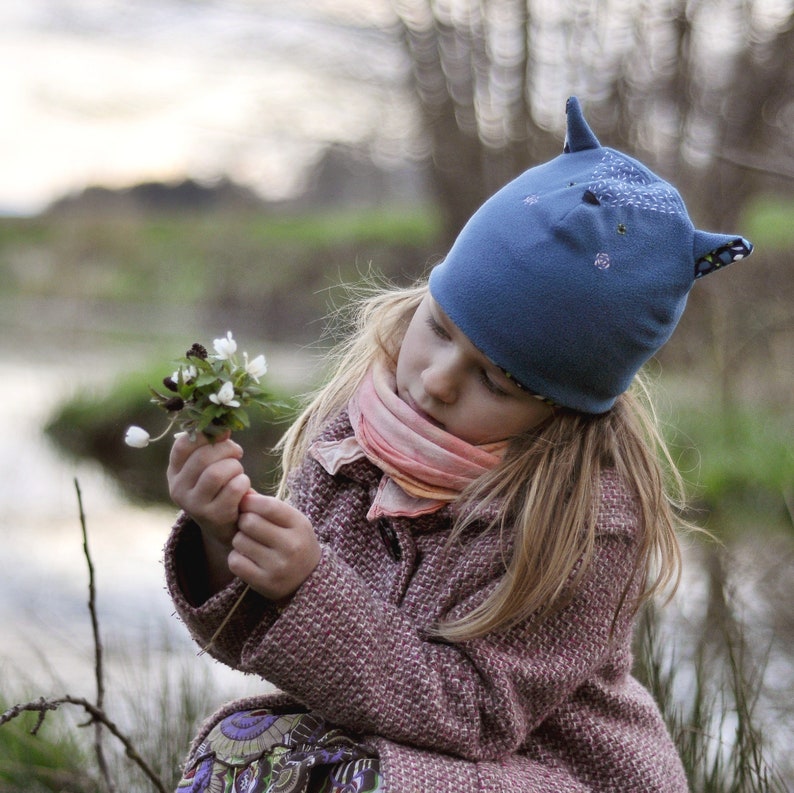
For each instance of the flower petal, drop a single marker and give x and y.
(226, 347)
(257, 367)
(225, 396)
(137, 437)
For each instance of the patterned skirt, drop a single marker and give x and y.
(260, 751)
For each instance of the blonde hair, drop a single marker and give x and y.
(547, 484)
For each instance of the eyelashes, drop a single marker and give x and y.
(436, 328)
(439, 331)
(491, 386)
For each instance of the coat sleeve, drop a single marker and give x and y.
(364, 665)
(185, 574)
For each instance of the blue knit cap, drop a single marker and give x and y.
(575, 273)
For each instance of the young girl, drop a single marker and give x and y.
(472, 513)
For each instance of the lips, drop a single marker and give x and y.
(426, 416)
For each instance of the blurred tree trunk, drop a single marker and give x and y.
(689, 86)
(471, 72)
(754, 139)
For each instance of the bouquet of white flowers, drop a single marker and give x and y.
(208, 393)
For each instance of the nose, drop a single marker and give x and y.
(440, 380)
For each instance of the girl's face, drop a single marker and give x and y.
(445, 378)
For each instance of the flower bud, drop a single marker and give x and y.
(174, 403)
(197, 351)
(170, 384)
(137, 437)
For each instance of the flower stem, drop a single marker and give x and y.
(165, 431)
(225, 621)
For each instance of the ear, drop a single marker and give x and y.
(713, 251)
(579, 136)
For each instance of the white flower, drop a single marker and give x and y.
(225, 348)
(137, 437)
(188, 373)
(256, 368)
(225, 396)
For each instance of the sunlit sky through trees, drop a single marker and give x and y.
(114, 92)
(111, 92)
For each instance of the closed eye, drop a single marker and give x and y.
(436, 328)
(493, 387)
(485, 378)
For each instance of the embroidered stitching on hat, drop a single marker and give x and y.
(602, 261)
(618, 182)
(532, 199)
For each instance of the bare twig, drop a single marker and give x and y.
(98, 668)
(95, 711)
(41, 706)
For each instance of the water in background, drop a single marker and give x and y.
(47, 642)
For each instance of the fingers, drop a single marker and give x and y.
(207, 480)
(218, 491)
(273, 545)
(273, 524)
(189, 459)
(184, 449)
(274, 510)
(275, 549)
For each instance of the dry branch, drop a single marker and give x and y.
(98, 716)
(96, 711)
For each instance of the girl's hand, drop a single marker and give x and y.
(275, 549)
(208, 482)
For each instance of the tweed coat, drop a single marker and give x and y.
(539, 707)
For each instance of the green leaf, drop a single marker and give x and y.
(207, 418)
(187, 391)
(205, 379)
(232, 423)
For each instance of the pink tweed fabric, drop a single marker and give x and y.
(538, 708)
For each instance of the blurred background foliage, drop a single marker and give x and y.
(700, 90)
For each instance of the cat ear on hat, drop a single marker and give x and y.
(713, 251)
(578, 136)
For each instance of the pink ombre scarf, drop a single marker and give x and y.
(424, 466)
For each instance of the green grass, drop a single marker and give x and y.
(769, 222)
(190, 257)
(161, 706)
(713, 720)
(740, 462)
(275, 275)
(162, 723)
(418, 226)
